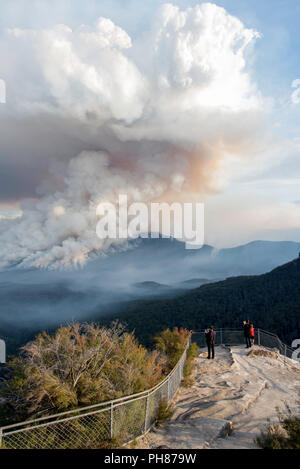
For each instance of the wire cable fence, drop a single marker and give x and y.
(121, 420)
(118, 421)
(236, 337)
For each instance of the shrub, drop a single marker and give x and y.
(192, 353)
(172, 343)
(164, 412)
(81, 364)
(284, 435)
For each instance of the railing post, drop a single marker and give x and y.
(258, 337)
(168, 390)
(221, 335)
(182, 363)
(146, 412)
(0, 437)
(111, 421)
(285, 353)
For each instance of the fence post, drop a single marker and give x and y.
(258, 337)
(285, 353)
(221, 335)
(0, 437)
(146, 412)
(168, 390)
(182, 363)
(111, 421)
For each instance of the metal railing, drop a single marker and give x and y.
(236, 337)
(122, 420)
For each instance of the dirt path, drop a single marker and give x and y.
(234, 394)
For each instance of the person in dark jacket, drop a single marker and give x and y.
(210, 337)
(247, 334)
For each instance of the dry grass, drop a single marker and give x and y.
(262, 352)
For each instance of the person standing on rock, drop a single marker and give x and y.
(247, 333)
(210, 337)
(252, 334)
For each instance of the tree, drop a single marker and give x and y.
(285, 434)
(172, 343)
(80, 364)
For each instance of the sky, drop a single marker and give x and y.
(110, 95)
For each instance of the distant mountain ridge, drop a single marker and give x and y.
(32, 299)
(169, 256)
(271, 301)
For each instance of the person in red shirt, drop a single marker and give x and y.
(252, 334)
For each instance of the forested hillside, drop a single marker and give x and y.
(271, 301)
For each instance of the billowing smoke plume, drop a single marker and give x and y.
(149, 118)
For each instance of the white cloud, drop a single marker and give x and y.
(163, 112)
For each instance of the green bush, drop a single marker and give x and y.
(172, 343)
(79, 365)
(284, 435)
(164, 412)
(84, 364)
(192, 353)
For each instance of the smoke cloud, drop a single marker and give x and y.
(92, 114)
